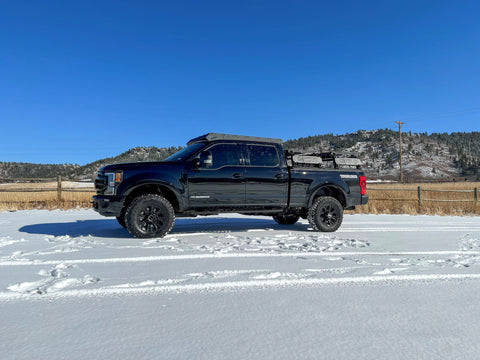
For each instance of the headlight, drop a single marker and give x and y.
(114, 179)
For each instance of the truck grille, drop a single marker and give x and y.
(101, 183)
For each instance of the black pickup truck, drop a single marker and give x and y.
(228, 173)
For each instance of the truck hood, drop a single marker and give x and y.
(138, 165)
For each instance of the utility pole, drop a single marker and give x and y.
(400, 145)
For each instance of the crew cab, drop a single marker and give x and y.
(219, 173)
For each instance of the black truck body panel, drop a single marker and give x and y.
(223, 173)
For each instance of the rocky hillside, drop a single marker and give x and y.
(425, 156)
(28, 170)
(12, 170)
(150, 153)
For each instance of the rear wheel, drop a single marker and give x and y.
(326, 214)
(149, 216)
(289, 219)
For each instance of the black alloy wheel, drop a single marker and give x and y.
(326, 214)
(149, 216)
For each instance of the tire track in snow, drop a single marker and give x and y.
(228, 255)
(409, 229)
(346, 229)
(236, 286)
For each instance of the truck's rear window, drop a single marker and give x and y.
(263, 155)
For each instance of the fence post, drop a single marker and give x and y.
(475, 196)
(59, 187)
(419, 190)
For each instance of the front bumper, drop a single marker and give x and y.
(107, 206)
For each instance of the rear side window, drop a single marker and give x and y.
(263, 155)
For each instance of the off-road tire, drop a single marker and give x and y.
(149, 216)
(289, 219)
(121, 220)
(326, 214)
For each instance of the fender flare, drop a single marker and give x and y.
(330, 189)
(180, 200)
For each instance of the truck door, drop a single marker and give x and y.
(218, 178)
(266, 177)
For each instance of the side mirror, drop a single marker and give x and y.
(196, 163)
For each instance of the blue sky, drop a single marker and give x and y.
(84, 80)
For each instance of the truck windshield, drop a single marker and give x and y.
(185, 152)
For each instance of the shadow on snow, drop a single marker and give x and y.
(109, 228)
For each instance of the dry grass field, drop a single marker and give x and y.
(43, 195)
(450, 198)
(456, 198)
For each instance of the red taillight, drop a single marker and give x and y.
(363, 184)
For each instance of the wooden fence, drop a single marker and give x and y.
(419, 195)
(59, 189)
(422, 195)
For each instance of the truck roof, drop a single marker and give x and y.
(215, 136)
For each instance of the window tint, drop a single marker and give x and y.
(220, 155)
(261, 155)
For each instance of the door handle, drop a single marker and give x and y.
(237, 175)
(278, 176)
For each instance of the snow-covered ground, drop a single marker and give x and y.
(75, 285)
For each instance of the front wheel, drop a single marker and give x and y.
(149, 216)
(326, 214)
(286, 219)
(121, 220)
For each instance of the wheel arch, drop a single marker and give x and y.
(329, 190)
(154, 188)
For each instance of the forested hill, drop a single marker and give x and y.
(28, 170)
(150, 153)
(425, 156)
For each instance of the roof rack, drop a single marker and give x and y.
(215, 136)
(338, 160)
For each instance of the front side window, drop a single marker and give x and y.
(220, 155)
(263, 155)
